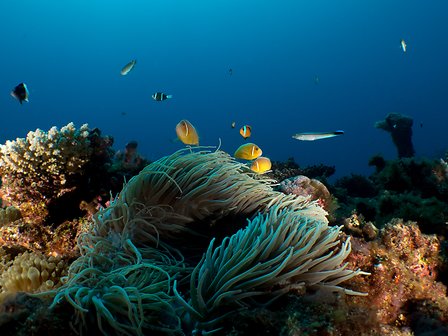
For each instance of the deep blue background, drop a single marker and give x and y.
(70, 54)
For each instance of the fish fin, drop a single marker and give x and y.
(169, 96)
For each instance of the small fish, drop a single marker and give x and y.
(248, 151)
(310, 136)
(246, 131)
(128, 67)
(261, 165)
(403, 45)
(233, 124)
(187, 133)
(21, 93)
(159, 96)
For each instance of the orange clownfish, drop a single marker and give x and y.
(187, 133)
(248, 151)
(245, 131)
(261, 165)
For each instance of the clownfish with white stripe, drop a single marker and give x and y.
(246, 131)
(261, 165)
(248, 151)
(187, 133)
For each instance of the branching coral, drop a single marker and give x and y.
(275, 253)
(42, 165)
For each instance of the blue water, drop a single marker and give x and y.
(70, 54)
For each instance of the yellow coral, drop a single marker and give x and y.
(9, 215)
(31, 273)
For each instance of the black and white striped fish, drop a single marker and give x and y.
(159, 96)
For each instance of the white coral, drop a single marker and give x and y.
(49, 157)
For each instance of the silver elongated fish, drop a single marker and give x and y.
(128, 67)
(403, 45)
(311, 136)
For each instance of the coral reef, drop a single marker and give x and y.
(409, 188)
(43, 165)
(404, 264)
(196, 243)
(134, 250)
(312, 189)
(47, 171)
(405, 295)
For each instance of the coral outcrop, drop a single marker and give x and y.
(44, 164)
(409, 188)
(31, 273)
(400, 128)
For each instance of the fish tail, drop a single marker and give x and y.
(169, 96)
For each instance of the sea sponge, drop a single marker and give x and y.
(43, 164)
(32, 273)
